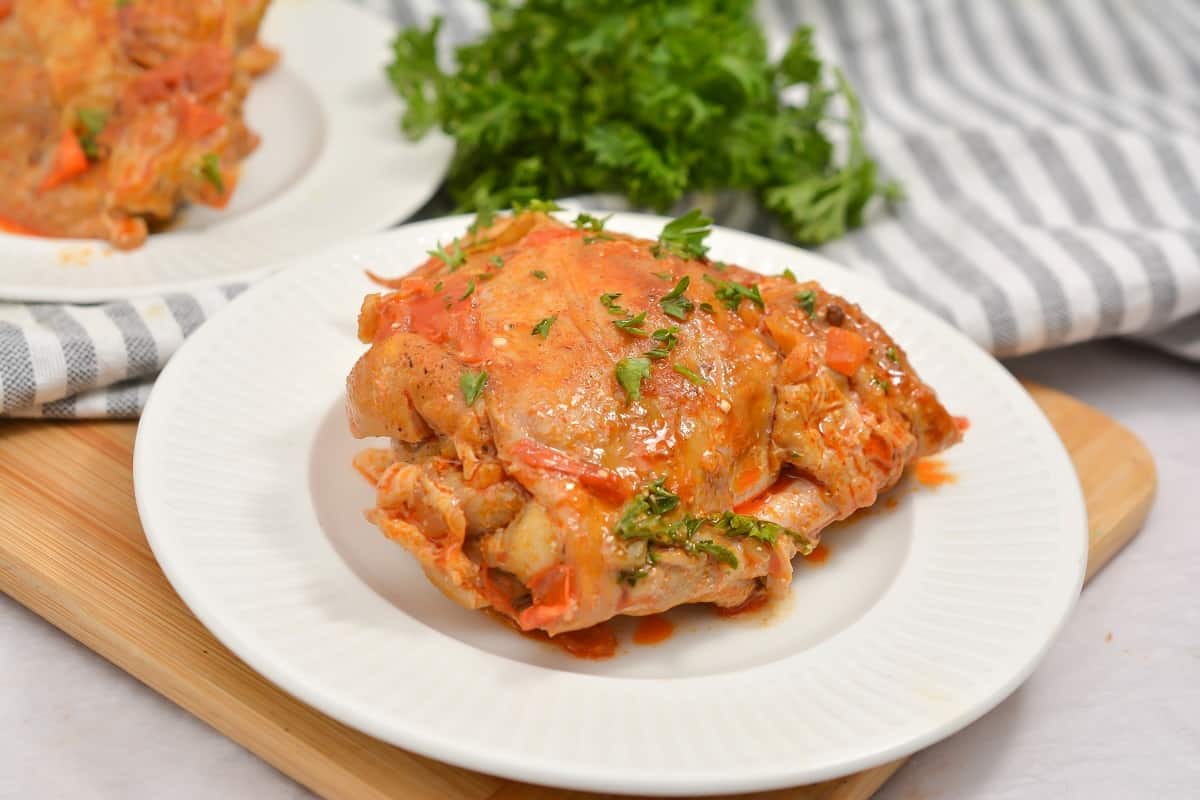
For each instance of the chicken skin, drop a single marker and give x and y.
(586, 424)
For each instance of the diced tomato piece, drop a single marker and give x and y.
(69, 161)
(845, 351)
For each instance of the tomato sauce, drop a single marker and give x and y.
(932, 472)
(653, 629)
(819, 555)
(596, 643)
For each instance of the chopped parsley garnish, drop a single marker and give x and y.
(695, 377)
(674, 304)
(609, 301)
(666, 276)
(630, 374)
(742, 525)
(719, 266)
(437, 287)
(883, 384)
(472, 384)
(497, 261)
(539, 274)
(707, 308)
(891, 354)
(711, 548)
(452, 258)
(633, 325)
(483, 218)
(684, 236)
(544, 206)
(732, 294)
(210, 170)
(653, 517)
(470, 290)
(594, 225)
(788, 275)
(542, 329)
(667, 338)
(807, 300)
(92, 121)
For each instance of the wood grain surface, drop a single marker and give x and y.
(72, 550)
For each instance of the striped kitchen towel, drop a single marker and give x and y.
(1050, 153)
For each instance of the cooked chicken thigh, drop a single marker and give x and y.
(585, 424)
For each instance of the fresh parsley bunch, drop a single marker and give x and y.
(644, 99)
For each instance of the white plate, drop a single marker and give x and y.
(922, 619)
(332, 164)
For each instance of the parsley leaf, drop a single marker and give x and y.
(722, 554)
(808, 301)
(586, 222)
(553, 101)
(788, 275)
(684, 236)
(675, 304)
(695, 377)
(483, 219)
(731, 294)
(667, 338)
(609, 301)
(539, 274)
(472, 384)
(93, 121)
(542, 329)
(630, 374)
(470, 290)
(210, 170)
(437, 287)
(497, 262)
(633, 325)
(891, 354)
(535, 204)
(452, 258)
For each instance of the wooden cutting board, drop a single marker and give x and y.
(72, 550)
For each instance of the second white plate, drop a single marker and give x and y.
(923, 618)
(332, 164)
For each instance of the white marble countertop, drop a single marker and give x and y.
(1103, 717)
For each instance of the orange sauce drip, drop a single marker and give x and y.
(653, 629)
(891, 503)
(595, 643)
(753, 603)
(819, 555)
(9, 225)
(932, 472)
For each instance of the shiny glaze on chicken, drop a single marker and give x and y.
(559, 497)
(113, 114)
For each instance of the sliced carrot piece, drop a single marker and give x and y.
(69, 161)
(845, 351)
